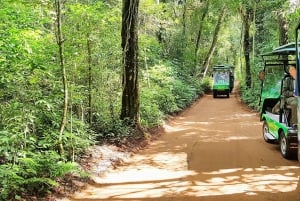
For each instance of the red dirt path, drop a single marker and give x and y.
(214, 151)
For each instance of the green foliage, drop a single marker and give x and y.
(10, 182)
(184, 94)
(151, 115)
(164, 92)
(31, 99)
(34, 174)
(30, 104)
(206, 84)
(116, 131)
(250, 96)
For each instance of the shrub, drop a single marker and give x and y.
(206, 84)
(151, 115)
(164, 92)
(34, 174)
(250, 96)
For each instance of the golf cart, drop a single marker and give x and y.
(223, 80)
(277, 124)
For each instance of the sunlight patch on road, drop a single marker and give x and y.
(247, 184)
(150, 182)
(248, 181)
(281, 168)
(183, 126)
(193, 123)
(152, 176)
(155, 167)
(246, 115)
(166, 174)
(170, 129)
(230, 138)
(204, 135)
(204, 130)
(224, 171)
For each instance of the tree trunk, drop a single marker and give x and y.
(214, 42)
(197, 45)
(60, 43)
(246, 17)
(247, 47)
(130, 96)
(254, 30)
(90, 76)
(184, 20)
(283, 28)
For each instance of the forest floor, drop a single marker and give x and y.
(212, 151)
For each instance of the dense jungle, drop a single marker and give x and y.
(79, 73)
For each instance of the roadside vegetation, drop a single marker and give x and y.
(61, 84)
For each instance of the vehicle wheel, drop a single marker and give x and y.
(284, 146)
(265, 131)
(214, 94)
(228, 95)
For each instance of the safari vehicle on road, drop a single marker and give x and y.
(277, 126)
(223, 80)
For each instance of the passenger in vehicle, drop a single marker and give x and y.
(289, 98)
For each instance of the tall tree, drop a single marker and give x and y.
(283, 27)
(60, 43)
(199, 33)
(130, 96)
(246, 12)
(90, 76)
(214, 41)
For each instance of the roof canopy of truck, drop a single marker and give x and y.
(223, 67)
(288, 49)
(282, 56)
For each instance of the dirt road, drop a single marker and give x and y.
(214, 151)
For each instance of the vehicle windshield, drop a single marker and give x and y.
(221, 77)
(272, 81)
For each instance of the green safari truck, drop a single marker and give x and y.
(222, 80)
(277, 126)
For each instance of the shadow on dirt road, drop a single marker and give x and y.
(213, 151)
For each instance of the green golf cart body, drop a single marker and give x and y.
(276, 125)
(223, 80)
